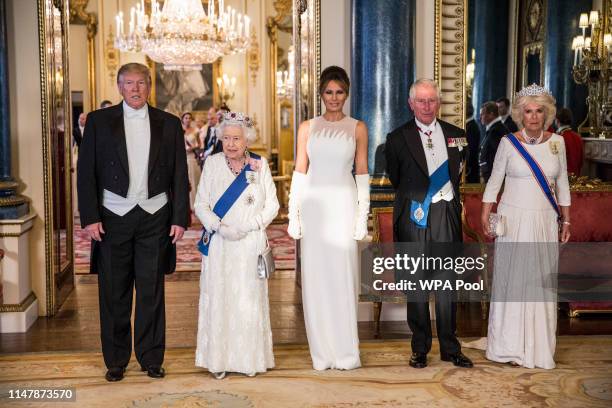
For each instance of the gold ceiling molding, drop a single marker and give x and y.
(253, 57)
(283, 8)
(449, 58)
(78, 15)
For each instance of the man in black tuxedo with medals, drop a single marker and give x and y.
(422, 154)
(134, 203)
(494, 131)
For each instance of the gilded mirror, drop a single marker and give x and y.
(57, 151)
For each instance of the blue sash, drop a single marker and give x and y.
(419, 211)
(537, 172)
(225, 202)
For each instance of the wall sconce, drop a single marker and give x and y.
(226, 87)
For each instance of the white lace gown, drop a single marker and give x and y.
(234, 333)
(524, 331)
(328, 250)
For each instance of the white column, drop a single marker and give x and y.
(20, 306)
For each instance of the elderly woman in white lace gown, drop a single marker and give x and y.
(234, 332)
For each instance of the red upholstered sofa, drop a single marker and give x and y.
(590, 223)
(382, 221)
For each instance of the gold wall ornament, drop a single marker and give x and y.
(18, 307)
(449, 58)
(78, 15)
(111, 56)
(253, 57)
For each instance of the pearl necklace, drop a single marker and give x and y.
(532, 140)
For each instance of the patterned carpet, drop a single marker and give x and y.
(583, 379)
(188, 257)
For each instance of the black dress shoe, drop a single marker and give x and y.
(115, 374)
(154, 371)
(418, 360)
(458, 359)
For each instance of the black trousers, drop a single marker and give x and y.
(444, 225)
(129, 255)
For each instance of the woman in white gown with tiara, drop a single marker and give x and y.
(328, 211)
(523, 315)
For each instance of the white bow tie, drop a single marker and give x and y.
(130, 113)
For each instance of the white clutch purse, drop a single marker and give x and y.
(497, 225)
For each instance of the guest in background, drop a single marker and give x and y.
(574, 146)
(472, 132)
(211, 120)
(192, 143)
(494, 131)
(105, 104)
(77, 131)
(503, 104)
(523, 314)
(234, 333)
(211, 142)
(199, 122)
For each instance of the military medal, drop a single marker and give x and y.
(419, 214)
(206, 238)
(554, 147)
(250, 199)
(429, 143)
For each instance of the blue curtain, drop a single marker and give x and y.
(491, 43)
(5, 137)
(382, 68)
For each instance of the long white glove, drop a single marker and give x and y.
(231, 233)
(298, 182)
(363, 206)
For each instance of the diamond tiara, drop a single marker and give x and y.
(238, 118)
(533, 90)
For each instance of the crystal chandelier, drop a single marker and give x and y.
(181, 35)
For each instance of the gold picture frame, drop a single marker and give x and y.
(211, 83)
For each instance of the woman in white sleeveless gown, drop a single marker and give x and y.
(328, 211)
(523, 315)
(192, 142)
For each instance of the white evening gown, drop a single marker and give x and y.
(523, 315)
(193, 168)
(328, 250)
(234, 331)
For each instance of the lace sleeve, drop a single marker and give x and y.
(202, 205)
(563, 190)
(498, 173)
